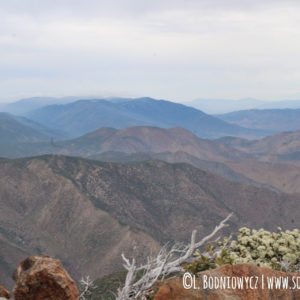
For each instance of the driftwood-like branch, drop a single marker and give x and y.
(164, 264)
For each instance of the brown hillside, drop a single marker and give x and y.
(284, 177)
(217, 168)
(285, 146)
(86, 212)
(282, 148)
(149, 139)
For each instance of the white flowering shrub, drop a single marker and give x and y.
(277, 250)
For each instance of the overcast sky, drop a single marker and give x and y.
(168, 49)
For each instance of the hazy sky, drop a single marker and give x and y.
(171, 49)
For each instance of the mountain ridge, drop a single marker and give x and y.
(136, 112)
(273, 120)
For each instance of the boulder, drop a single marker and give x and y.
(199, 289)
(42, 277)
(4, 294)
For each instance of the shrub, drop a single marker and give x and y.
(277, 250)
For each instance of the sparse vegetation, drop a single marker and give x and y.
(140, 280)
(277, 250)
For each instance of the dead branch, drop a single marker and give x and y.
(165, 263)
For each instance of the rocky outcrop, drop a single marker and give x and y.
(42, 277)
(256, 289)
(4, 294)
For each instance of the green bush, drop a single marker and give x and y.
(277, 250)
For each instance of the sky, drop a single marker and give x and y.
(177, 50)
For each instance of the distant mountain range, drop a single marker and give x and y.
(84, 116)
(20, 129)
(283, 147)
(23, 106)
(127, 175)
(131, 140)
(273, 120)
(19, 133)
(273, 160)
(229, 157)
(222, 106)
(80, 117)
(87, 212)
(148, 139)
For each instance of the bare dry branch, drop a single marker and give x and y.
(165, 263)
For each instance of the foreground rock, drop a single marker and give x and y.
(42, 277)
(4, 294)
(172, 289)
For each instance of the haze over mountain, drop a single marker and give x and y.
(223, 106)
(282, 147)
(23, 106)
(208, 105)
(84, 116)
(20, 129)
(19, 133)
(73, 208)
(274, 120)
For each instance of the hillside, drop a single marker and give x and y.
(133, 140)
(283, 147)
(148, 139)
(19, 129)
(214, 167)
(284, 177)
(84, 116)
(272, 120)
(19, 135)
(86, 212)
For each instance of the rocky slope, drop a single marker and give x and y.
(217, 168)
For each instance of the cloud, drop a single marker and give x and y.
(174, 49)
